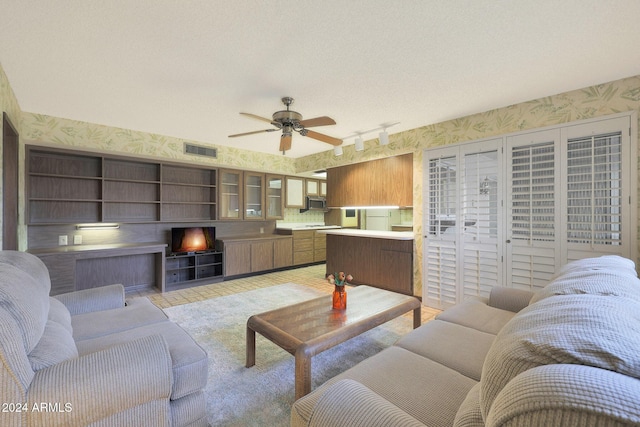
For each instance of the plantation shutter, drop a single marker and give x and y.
(533, 215)
(439, 257)
(598, 190)
(513, 210)
(481, 241)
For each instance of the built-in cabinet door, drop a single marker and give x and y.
(275, 196)
(231, 188)
(323, 188)
(261, 255)
(295, 192)
(254, 195)
(313, 187)
(237, 258)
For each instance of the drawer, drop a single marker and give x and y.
(302, 257)
(304, 234)
(302, 245)
(320, 255)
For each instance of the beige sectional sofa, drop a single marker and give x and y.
(568, 355)
(86, 358)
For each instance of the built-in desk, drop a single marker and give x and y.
(134, 265)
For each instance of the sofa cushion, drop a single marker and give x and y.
(26, 300)
(592, 330)
(469, 414)
(605, 262)
(189, 360)
(612, 282)
(426, 390)
(478, 315)
(55, 346)
(137, 312)
(59, 314)
(442, 341)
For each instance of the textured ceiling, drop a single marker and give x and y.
(187, 68)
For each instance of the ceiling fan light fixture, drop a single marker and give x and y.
(359, 143)
(384, 137)
(337, 150)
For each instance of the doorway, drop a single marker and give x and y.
(9, 185)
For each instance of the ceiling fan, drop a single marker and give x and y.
(289, 121)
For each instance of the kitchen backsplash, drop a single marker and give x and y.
(294, 215)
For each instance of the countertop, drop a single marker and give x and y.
(391, 235)
(302, 226)
(252, 237)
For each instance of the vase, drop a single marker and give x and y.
(339, 298)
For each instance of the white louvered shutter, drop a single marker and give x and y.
(481, 247)
(440, 237)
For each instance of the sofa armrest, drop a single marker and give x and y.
(349, 403)
(98, 385)
(509, 299)
(94, 299)
(575, 394)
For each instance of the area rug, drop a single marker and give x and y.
(263, 394)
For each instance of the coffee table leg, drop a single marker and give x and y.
(417, 317)
(303, 374)
(251, 347)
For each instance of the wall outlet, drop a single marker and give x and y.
(62, 240)
(77, 239)
(261, 230)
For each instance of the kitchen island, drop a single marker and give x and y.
(383, 259)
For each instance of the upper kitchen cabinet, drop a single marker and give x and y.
(313, 187)
(295, 188)
(231, 200)
(253, 195)
(275, 196)
(383, 182)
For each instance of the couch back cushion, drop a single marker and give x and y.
(620, 282)
(593, 330)
(56, 345)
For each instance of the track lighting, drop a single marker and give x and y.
(384, 137)
(337, 150)
(359, 143)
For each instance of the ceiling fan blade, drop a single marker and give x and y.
(318, 121)
(321, 137)
(285, 142)
(251, 133)
(257, 117)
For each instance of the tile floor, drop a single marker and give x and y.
(312, 276)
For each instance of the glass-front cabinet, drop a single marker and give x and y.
(230, 194)
(254, 195)
(275, 197)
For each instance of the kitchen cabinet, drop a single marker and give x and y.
(295, 192)
(313, 187)
(254, 195)
(383, 182)
(309, 246)
(274, 196)
(231, 188)
(323, 188)
(253, 254)
(383, 262)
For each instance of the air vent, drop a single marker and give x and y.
(199, 150)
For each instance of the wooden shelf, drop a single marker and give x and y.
(193, 267)
(68, 187)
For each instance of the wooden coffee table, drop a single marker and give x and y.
(311, 327)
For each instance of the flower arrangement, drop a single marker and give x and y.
(339, 279)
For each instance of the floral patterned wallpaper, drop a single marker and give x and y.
(607, 98)
(600, 100)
